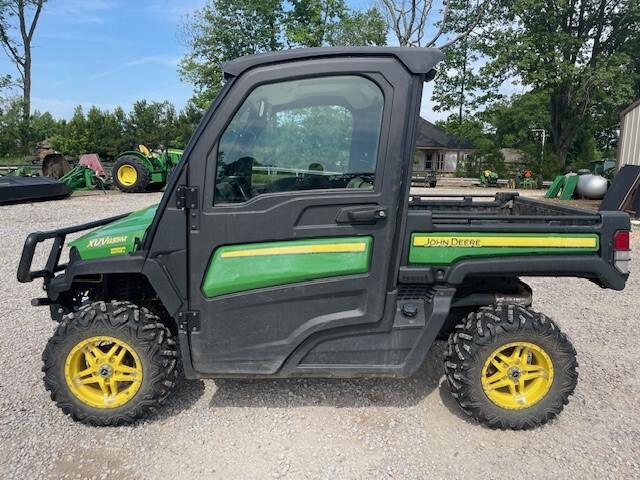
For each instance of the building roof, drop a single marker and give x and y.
(633, 106)
(416, 60)
(431, 136)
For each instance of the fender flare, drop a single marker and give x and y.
(133, 264)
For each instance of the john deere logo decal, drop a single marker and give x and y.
(480, 241)
(104, 241)
(447, 242)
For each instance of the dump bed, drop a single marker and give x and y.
(449, 238)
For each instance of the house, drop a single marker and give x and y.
(436, 150)
(629, 139)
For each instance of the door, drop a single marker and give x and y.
(300, 181)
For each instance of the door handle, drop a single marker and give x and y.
(361, 214)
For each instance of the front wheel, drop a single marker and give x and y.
(130, 175)
(110, 364)
(510, 367)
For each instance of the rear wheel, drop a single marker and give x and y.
(510, 367)
(110, 364)
(130, 175)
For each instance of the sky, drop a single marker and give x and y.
(111, 53)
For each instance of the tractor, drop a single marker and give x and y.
(488, 178)
(143, 170)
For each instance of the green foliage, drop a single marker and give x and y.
(10, 126)
(460, 85)
(5, 82)
(514, 119)
(227, 29)
(583, 53)
(366, 28)
(321, 23)
(487, 152)
(98, 131)
(309, 23)
(221, 31)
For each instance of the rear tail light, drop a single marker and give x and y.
(621, 250)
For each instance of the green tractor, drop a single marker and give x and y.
(488, 178)
(143, 170)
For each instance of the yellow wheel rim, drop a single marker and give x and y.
(103, 372)
(517, 375)
(127, 175)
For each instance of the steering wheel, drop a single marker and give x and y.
(237, 183)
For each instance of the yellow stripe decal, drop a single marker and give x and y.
(506, 241)
(297, 250)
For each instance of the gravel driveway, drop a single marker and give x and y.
(333, 429)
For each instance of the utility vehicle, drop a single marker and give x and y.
(287, 244)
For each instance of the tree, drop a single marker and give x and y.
(409, 20)
(366, 28)
(10, 126)
(583, 52)
(321, 23)
(460, 84)
(487, 151)
(514, 119)
(309, 22)
(5, 81)
(19, 50)
(223, 30)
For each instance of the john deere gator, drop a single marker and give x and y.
(287, 244)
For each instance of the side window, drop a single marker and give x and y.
(310, 134)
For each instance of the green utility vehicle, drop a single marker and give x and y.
(287, 244)
(144, 170)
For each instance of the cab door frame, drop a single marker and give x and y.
(365, 310)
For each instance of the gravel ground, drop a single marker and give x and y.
(329, 429)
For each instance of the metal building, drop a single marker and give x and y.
(629, 140)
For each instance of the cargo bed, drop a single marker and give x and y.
(507, 207)
(475, 235)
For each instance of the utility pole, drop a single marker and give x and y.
(544, 139)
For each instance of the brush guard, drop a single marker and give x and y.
(26, 275)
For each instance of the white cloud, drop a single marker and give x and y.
(173, 11)
(165, 60)
(79, 11)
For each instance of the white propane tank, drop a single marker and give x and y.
(592, 186)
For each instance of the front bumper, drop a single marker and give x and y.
(25, 274)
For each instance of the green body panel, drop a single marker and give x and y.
(82, 178)
(555, 187)
(569, 187)
(158, 178)
(237, 274)
(115, 238)
(451, 249)
(175, 155)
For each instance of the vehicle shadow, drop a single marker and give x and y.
(340, 393)
(452, 404)
(183, 397)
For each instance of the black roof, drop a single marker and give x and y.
(431, 136)
(417, 60)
